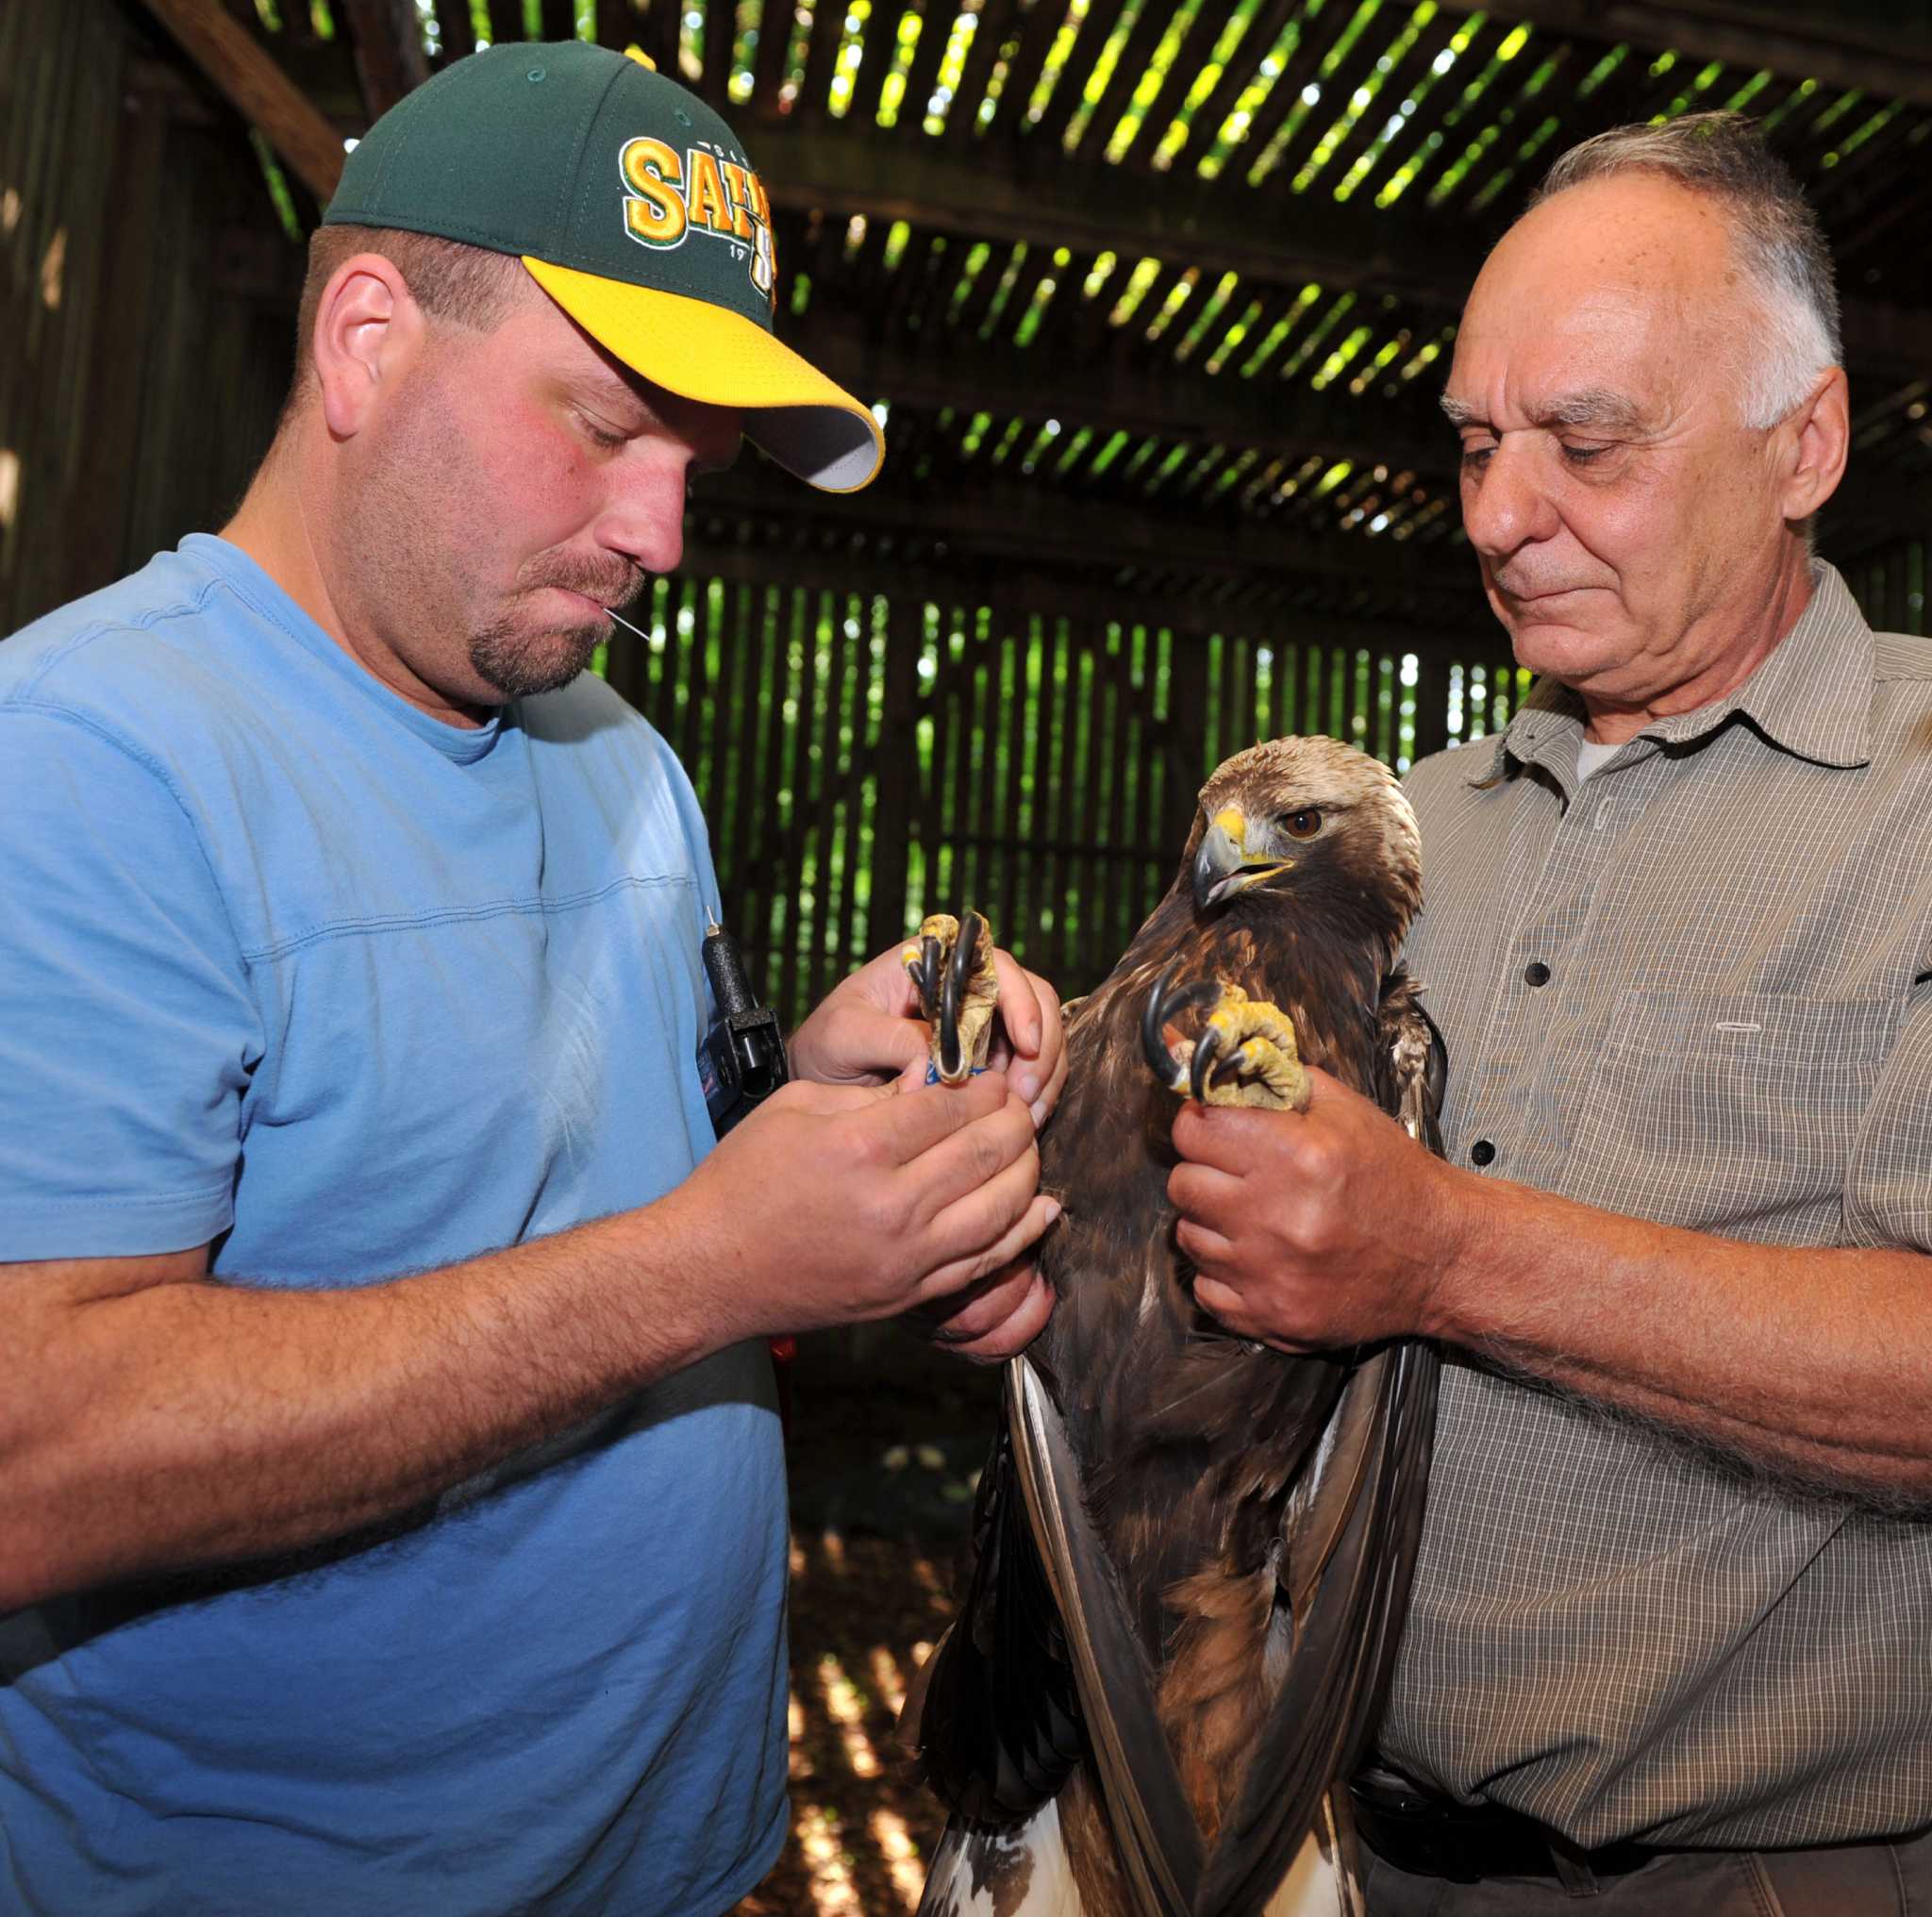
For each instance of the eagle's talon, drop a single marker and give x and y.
(1163, 1005)
(951, 967)
(1208, 1048)
(1245, 1055)
(922, 961)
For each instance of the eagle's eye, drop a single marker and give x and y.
(1305, 824)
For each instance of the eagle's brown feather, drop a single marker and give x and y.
(1259, 1513)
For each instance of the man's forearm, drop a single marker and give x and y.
(1815, 1364)
(191, 1422)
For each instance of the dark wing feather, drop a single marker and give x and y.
(993, 1711)
(1320, 1722)
(1158, 1841)
(1351, 1532)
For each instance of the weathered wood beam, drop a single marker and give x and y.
(249, 78)
(1021, 525)
(1825, 44)
(1024, 590)
(387, 40)
(1105, 389)
(1218, 227)
(1093, 207)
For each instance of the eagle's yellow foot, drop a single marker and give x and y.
(951, 964)
(1247, 1053)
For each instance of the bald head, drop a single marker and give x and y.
(1630, 277)
(1638, 505)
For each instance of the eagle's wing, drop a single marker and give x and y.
(1350, 1535)
(1045, 1640)
(1411, 1066)
(993, 1711)
(1047, 1666)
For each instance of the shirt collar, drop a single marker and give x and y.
(1810, 696)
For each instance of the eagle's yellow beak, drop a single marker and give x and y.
(1226, 864)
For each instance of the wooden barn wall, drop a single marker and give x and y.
(141, 364)
(865, 759)
(864, 756)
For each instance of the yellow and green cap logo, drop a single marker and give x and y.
(636, 210)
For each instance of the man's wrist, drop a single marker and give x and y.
(1466, 1257)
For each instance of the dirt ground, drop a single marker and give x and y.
(886, 1443)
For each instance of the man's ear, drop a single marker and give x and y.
(1821, 433)
(368, 327)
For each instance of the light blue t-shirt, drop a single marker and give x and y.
(290, 966)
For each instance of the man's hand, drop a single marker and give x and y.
(1315, 1229)
(832, 1205)
(868, 1031)
(995, 1319)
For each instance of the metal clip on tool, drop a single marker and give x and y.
(741, 1060)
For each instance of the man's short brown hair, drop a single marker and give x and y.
(461, 286)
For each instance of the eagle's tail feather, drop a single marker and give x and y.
(1015, 1871)
(1344, 1651)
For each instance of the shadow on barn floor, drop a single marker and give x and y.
(887, 1439)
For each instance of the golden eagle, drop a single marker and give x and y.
(1192, 1551)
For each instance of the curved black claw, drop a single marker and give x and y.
(1208, 1050)
(925, 975)
(1164, 1003)
(952, 988)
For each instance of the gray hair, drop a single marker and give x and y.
(1776, 238)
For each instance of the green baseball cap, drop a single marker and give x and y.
(634, 207)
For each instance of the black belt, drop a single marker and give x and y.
(1427, 1836)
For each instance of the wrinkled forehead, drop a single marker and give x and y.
(1622, 285)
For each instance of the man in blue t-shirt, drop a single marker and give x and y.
(391, 1508)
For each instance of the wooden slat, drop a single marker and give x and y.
(1396, 87)
(1317, 41)
(820, 60)
(456, 30)
(768, 68)
(982, 57)
(1197, 44)
(1023, 75)
(832, 775)
(894, 818)
(879, 50)
(387, 39)
(1243, 63)
(1096, 27)
(1338, 88)
(1143, 40)
(721, 32)
(1828, 44)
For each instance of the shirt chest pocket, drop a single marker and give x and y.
(1732, 1112)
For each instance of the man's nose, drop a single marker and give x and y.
(644, 517)
(1506, 504)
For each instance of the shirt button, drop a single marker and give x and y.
(1482, 1153)
(1536, 972)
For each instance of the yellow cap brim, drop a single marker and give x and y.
(708, 352)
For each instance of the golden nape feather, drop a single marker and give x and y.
(1192, 1553)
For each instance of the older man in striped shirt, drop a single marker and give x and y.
(1670, 1639)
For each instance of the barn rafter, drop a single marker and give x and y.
(1205, 260)
(1154, 299)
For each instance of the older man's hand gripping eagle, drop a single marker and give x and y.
(1192, 1552)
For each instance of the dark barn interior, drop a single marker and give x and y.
(1153, 298)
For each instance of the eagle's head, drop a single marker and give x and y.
(1306, 824)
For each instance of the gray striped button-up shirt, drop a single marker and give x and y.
(1733, 1034)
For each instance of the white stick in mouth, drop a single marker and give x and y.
(625, 623)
